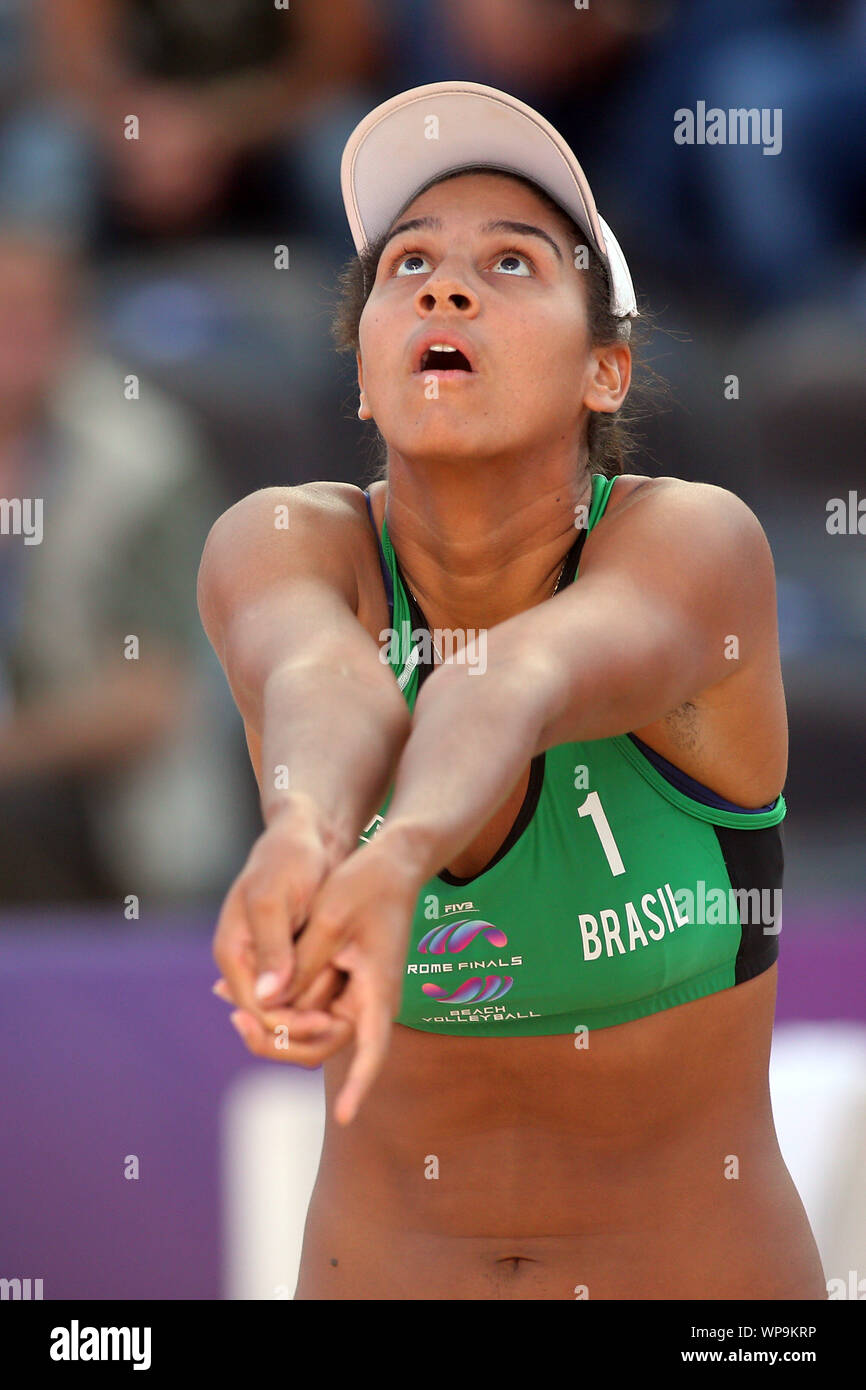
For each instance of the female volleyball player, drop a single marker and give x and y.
(532, 811)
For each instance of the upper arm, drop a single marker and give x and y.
(676, 593)
(278, 583)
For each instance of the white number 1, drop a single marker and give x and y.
(593, 807)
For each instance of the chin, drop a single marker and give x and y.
(450, 434)
(446, 446)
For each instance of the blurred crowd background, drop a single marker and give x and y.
(156, 365)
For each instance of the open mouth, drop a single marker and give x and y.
(443, 358)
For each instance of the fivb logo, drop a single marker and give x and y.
(75, 1343)
(22, 516)
(739, 126)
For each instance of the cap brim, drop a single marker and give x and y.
(409, 140)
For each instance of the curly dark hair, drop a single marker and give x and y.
(610, 438)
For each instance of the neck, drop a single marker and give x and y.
(476, 546)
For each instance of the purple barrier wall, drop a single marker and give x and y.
(112, 1044)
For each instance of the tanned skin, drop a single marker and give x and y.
(563, 1173)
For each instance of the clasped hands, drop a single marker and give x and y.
(311, 942)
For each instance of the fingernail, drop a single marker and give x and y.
(218, 987)
(266, 984)
(239, 1023)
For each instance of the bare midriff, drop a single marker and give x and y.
(643, 1165)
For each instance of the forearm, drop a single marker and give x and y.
(553, 676)
(324, 717)
(472, 737)
(333, 735)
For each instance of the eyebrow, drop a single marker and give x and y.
(498, 225)
(522, 229)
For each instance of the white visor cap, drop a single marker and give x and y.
(408, 141)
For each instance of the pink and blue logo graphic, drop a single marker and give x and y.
(456, 936)
(473, 991)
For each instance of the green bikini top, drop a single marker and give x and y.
(623, 888)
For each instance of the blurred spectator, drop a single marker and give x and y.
(790, 227)
(237, 102)
(536, 46)
(754, 231)
(110, 780)
(46, 165)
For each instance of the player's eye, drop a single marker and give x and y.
(409, 265)
(515, 264)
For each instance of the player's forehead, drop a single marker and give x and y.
(473, 200)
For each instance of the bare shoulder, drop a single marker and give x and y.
(323, 504)
(681, 497)
(313, 529)
(698, 552)
(694, 552)
(693, 522)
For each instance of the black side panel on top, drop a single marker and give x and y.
(755, 859)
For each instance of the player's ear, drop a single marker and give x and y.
(609, 379)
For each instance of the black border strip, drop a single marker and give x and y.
(754, 859)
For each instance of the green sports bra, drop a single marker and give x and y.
(623, 888)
